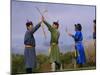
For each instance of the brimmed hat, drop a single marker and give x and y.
(78, 26)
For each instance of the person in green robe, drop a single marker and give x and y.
(54, 48)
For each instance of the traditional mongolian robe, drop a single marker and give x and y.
(80, 58)
(54, 53)
(94, 35)
(29, 52)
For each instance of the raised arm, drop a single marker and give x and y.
(36, 27)
(76, 36)
(48, 25)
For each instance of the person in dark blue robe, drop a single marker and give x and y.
(94, 32)
(94, 36)
(78, 37)
(29, 42)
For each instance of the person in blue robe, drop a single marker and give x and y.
(78, 37)
(29, 42)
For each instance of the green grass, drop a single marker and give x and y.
(17, 61)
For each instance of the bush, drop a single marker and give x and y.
(17, 64)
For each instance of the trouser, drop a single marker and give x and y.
(28, 70)
(55, 66)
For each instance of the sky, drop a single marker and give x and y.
(66, 14)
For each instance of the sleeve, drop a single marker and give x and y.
(76, 36)
(36, 27)
(48, 25)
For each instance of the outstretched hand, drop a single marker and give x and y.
(69, 34)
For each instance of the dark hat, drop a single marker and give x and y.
(78, 26)
(28, 23)
(56, 23)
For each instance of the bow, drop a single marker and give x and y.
(42, 22)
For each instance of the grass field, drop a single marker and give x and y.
(67, 59)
